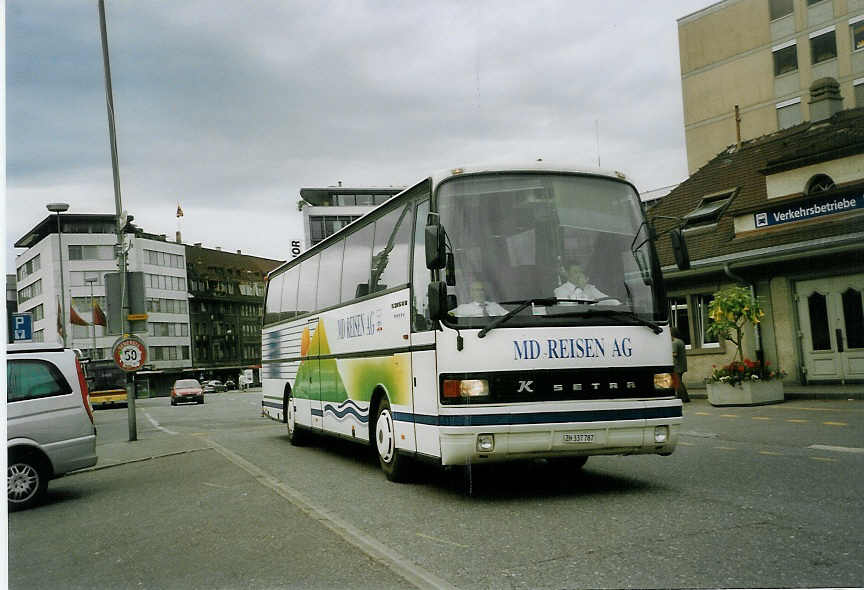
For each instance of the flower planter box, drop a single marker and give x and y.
(747, 393)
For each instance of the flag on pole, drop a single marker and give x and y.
(98, 316)
(179, 210)
(60, 329)
(76, 319)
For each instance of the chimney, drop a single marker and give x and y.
(197, 244)
(239, 252)
(825, 99)
(179, 241)
(162, 237)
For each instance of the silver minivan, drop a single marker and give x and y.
(50, 427)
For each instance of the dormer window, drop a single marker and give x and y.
(709, 210)
(819, 184)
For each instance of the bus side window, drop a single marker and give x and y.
(421, 276)
(356, 263)
(274, 296)
(289, 293)
(391, 249)
(308, 285)
(328, 276)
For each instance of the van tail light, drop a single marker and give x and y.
(85, 393)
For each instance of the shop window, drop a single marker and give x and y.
(679, 317)
(823, 46)
(819, 184)
(785, 59)
(690, 315)
(780, 8)
(709, 210)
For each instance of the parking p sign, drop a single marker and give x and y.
(22, 327)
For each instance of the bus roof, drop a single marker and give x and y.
(538, 166)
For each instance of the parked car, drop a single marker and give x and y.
(187, 390)
(50, 427)
(214, 386)
(229, 385)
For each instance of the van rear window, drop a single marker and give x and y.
(32, 379)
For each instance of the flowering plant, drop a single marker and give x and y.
(737, 372)
(731, 310)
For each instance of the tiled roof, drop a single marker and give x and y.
(207, 262)
(745, 169)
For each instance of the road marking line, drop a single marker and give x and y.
(374, 549)
(797, 421)
(838, 449)
(156, 424)
(702, 413)
(771, 453)
(726, 448)
(686, 444)
(728, 415)
(825, 459)
(761, 418)
(835, 424)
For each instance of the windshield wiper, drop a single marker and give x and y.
(520, 305)
(630, 315)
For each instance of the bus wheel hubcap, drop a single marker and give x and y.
(384, 436)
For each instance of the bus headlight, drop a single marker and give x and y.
(662, 381)
(462, 388)
(661, 434)
(485, 443)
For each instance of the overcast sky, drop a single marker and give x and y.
(230, 107)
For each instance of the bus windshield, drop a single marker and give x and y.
(574, 243)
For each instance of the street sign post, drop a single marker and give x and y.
(130, 353)
(22, 327)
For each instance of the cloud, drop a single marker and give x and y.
(231, 107)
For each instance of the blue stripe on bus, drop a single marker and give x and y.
(541, 417)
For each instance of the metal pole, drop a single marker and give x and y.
(118, 206)
(62, 284)
(92, 317)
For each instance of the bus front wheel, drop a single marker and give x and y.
(394, 465)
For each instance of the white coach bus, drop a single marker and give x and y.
(483, 314)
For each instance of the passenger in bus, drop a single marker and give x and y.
(479, 306)
(578, 287)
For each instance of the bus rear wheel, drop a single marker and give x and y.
(296, 436)
(395, 466)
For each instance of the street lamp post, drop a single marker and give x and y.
(59, 208)
(92, 280)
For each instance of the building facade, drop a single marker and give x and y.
(203, 306)
(226, 306)
(326, 210)
(763, 56)
(783, 214)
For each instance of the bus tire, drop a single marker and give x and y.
(296, 436)
(394, 465)
(27, 475)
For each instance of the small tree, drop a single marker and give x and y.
(732, 309)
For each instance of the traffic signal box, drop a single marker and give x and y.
(137, 302)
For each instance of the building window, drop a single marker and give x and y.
(30, 291)
(858, 85)
(29, 267)
(91, 252)
(709, 210)
(785, 59)
(689, 313)
(819, 184)
(788, 113)
(38, 312)
(780, 8)
(856, 27)
(78, 278)
(823, 45)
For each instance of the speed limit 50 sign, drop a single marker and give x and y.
(130, 353)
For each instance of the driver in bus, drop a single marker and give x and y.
(479, 306)
(578, 287)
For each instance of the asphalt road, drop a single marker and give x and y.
(753, 497)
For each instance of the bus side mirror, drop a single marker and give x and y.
(679, 249)
(437, 293)
(435, 239)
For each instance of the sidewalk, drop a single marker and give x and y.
(794, 391)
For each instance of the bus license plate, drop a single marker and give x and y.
(578, 437)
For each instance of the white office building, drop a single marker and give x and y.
(326, 210)
(87, 242)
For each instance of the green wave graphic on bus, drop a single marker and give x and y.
(336, 381)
